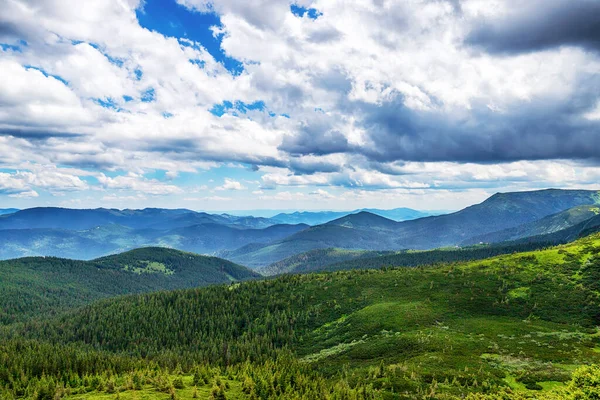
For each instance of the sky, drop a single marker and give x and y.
(307, 104)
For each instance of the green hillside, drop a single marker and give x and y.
(518, 323)
(340, 259)
(37, 286)
(315, 260)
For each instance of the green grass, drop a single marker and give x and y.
(523, 321)
(148, 391)
(149, 267)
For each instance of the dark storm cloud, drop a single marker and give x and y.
(308, 167)
(9, 30)
(316, 142)
(537, 130)
(396, 168)
(540, 25)
(35, 133)
(316, 137)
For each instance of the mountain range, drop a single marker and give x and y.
(321, 217)
(86, 244)
(540, 216)
(367, 231)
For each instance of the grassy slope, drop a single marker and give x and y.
(46, 285)
(340, 259)
(521, 320)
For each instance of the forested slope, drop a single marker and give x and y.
(339, 259)
(519, 322)
(317, 259)
(42, 286)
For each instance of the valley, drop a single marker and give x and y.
(299, 200)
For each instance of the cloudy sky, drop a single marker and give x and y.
(324, 104)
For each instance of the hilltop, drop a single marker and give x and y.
(322, 217)
(4, 211)
(48, 285)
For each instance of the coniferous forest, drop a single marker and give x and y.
(521, 325)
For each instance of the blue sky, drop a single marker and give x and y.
(307, 104)
(176, 21)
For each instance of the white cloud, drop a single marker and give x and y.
(32, 101)
(322, 194)
(283, 196)
(22, 183)
(52, 179)
(323, 73)
(231, 184)
(138, 183)
(12, 185)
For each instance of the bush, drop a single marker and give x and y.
(178, 383)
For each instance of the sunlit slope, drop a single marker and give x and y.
(525, 319)
(341, 259)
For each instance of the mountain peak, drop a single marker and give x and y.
(364, 219)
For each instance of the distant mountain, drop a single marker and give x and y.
(106, 239)
(321, 217)
(153, 218)
(249, 221)
(4, 211)
(308, 217)
(367, 231)
(254, 242)
(209, 238)
(582, 229)
(399, 214)
(365, 220)
(15, 243)
(499, 212)
(75, 219)
(52, 285)
(364, 231)
(550, 224)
